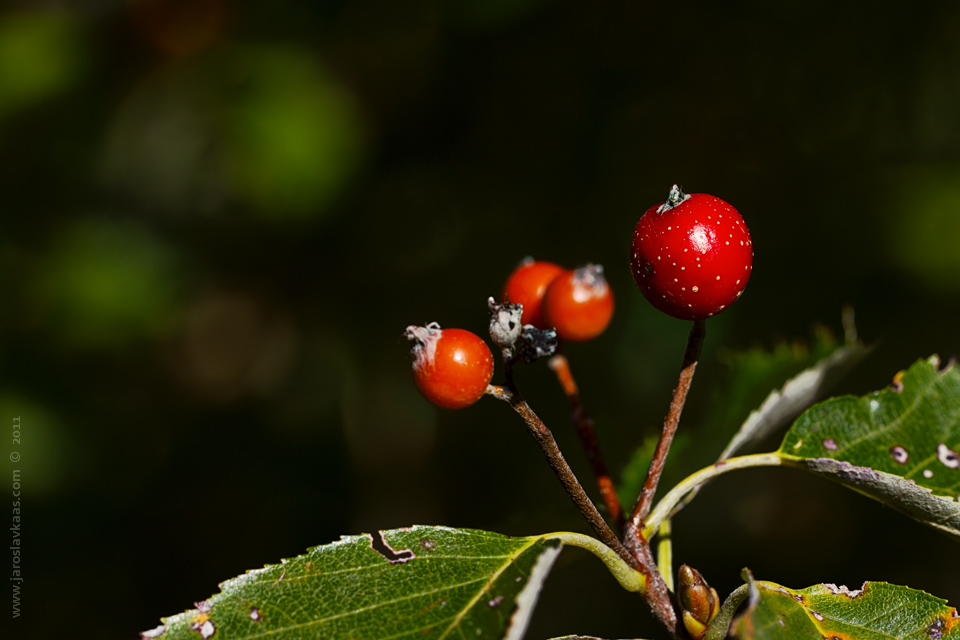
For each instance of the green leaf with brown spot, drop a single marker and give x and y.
(418, 583)
(899, 445)
(876, 611)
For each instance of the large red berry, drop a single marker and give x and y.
(451, 367)
(579, 303)
(527, 286)
(692, 255)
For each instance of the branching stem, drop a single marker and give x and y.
(548, 445)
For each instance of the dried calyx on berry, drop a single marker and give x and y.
(520, 344)
(504, 324)
(534, 344)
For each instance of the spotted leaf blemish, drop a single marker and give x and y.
(817, 615)
(255, 614)
(428, 544)
(899, 454)
(203, 625)
(927, 473)
(947, 456)
(935, 631)
(156, 632)
(844, 591)
(830, 444)
(379, 544)
(495, 602)
(203, 607)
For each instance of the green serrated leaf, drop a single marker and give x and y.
(876, 611)
(420, 582)
(898, 445)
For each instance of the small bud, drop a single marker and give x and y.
(699, 601)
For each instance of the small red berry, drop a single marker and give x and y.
(692, 255)
(579, 303)
(527, 285)
(451, 367)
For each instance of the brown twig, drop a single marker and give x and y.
(645, 499)
(548, 445)
(588, 439)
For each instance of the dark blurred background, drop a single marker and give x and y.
(217, 217)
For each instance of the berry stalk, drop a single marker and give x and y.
(689, 366)
(588, 439)
(548, 445)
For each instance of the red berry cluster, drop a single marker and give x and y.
(578, 303)
(453, 367)
(691, 258)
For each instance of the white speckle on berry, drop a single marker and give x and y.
(695, 289)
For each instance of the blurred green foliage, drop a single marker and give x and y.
(292, 138)
(105, 284)
(41, 55)
(218, 216)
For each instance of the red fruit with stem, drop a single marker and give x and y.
(451, 367)
(692, 255)
(527, 285)
(579, 303)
